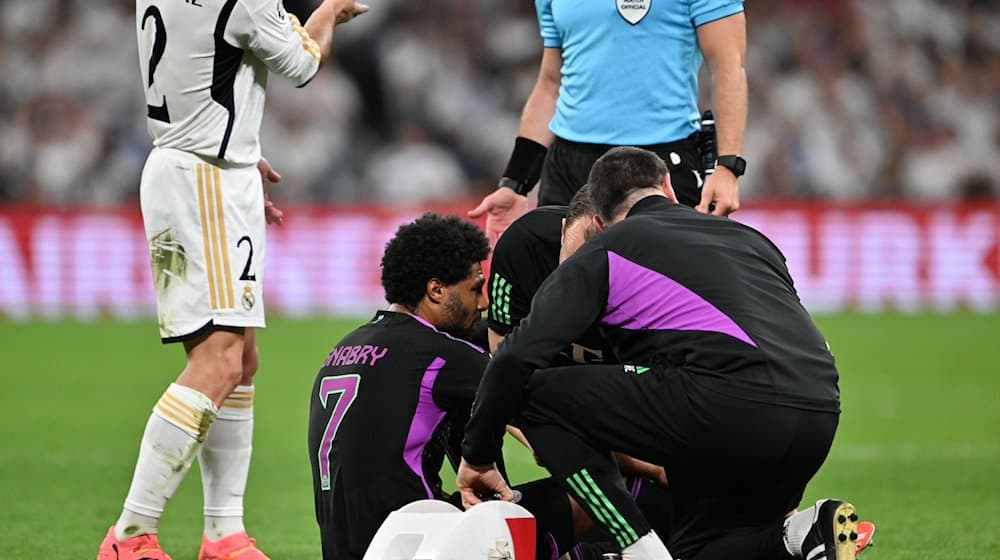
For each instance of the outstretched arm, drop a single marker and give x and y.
(509, 202)
(330, 13)
(277, 39)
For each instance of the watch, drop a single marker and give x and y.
(736, 164)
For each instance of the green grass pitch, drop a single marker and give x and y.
(918, 448)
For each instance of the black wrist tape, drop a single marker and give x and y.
(525, 165)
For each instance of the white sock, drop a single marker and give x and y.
(797, 526)
(649, 547)
(225, 463)
(176, 428)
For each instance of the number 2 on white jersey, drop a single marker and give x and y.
(156, 112)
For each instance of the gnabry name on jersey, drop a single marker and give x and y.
(364, 354)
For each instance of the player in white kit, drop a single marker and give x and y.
(205, 65)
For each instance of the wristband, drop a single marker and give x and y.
(524, 167)
(512, 185)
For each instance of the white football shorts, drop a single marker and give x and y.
(204, 222)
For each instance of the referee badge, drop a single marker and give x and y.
(633, 10)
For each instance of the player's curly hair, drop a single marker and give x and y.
(430, 247)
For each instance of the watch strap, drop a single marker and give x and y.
(734, 163)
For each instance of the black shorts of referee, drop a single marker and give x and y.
(567, 165)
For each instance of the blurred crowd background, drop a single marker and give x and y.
(848, 99)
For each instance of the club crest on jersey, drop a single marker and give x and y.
(633, 10)
(248, 298)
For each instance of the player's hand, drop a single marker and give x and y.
(656, 473)
(629, 465)
(347, 10)
(501, 207)
(722, 189)
(473, 480)
(272, 214)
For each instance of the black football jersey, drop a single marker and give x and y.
(669, 288)
(388, 404)
(525, 255)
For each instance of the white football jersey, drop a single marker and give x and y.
(205, 65)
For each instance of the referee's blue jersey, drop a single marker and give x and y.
(630, 67)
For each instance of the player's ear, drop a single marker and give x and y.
(599, 223)
(668, 189)
(435, 291)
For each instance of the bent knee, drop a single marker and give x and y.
(229, 365)
(220, 356)
(251, 360)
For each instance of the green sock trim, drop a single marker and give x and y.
(576, 483)
(629, 532)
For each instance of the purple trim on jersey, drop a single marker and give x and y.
(425, 420)
(576, 553)
(636, 486)
(455, 338)
(553, 546)
(640, 298)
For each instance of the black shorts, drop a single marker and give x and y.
(731, 463)
(567, 166)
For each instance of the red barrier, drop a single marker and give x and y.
(84, 262)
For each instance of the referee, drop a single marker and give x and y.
(625, 73)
